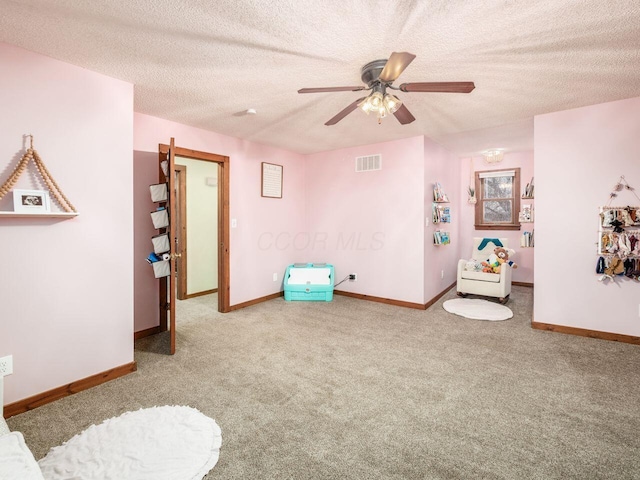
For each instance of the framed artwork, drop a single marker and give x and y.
(271, 180)
(31, 201)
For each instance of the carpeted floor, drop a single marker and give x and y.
(359, 390)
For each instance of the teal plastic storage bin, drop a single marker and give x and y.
(311, 282)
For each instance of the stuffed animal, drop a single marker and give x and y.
(499, 257)
(491, 263)
(503, 255)
(473, 266)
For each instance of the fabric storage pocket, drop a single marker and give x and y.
(161, 243)
(161, 269)
(160, 218)
(158, 192)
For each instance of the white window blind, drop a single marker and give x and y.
(502, 173)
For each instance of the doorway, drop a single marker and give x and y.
(196, 225)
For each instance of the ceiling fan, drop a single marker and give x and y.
(379, 76)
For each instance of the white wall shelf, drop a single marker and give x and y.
(38, 215)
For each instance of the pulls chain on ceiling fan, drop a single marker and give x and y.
(379, 76)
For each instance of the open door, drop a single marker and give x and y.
(168, 284)
(167, 304)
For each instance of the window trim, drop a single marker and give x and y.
(515, 224)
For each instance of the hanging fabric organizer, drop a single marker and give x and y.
(160, 258)
(619, 238)
(32, 155)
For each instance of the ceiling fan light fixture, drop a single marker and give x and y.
(376, 100)
(365, 105)
(391, 103)
(380, 75)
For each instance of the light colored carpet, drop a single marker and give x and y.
(359, 390)
(478, 309)
(159, 443)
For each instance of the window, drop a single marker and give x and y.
(498, 194)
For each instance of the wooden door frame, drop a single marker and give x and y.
(182, 232)
(223, 220)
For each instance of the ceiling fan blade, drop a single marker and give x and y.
(404, 115)
(396, 64)
(331, 89)
(442, 87)
(344, 112)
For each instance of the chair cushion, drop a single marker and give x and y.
(481, 276)
(16, 460)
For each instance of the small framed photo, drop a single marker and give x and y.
(31, 201)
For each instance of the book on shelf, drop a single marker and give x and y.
(441, 238)
(438, 193)
(441, 214)
(526, 240)
(445, 216)
(528, 190)
(526, 214)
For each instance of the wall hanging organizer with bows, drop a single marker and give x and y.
(619, 238)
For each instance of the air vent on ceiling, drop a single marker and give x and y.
(368, 163)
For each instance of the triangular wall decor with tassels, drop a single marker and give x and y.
(32, 154)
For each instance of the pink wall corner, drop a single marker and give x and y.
(440, 262)
(67, 285)
(524, 257)
(369, 223)
(260, 221)
(579, 155)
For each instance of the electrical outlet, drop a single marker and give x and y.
(275, 277)
(6, 365)
(441, 273)
(353, 277)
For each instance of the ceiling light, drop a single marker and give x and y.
(391, 103)
(493, 156)
(376, 100)
(380, 102)
(365, 105)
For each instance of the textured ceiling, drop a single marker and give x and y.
(204, 63)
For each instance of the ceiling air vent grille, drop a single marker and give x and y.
(368, 163)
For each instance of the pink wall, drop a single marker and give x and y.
(580, 155)
(255, 256)
(524, 256)
(369, 223)
(66, 291)
(440, 262)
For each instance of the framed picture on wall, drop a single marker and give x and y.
(31, 201)
(271, 180)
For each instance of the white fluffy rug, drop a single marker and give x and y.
(477, 309)
(172, 443)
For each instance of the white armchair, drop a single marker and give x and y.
(481, 283)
